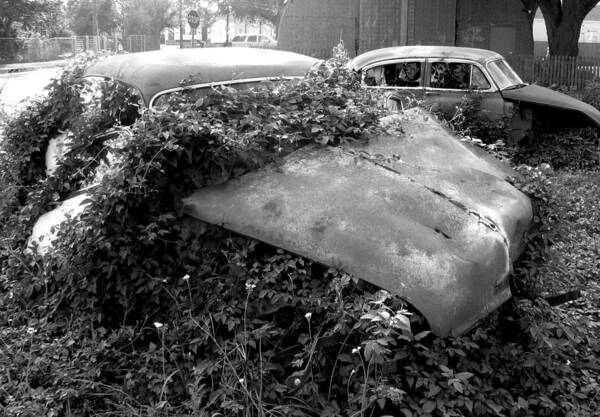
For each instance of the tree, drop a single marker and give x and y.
(147, 17)
(90, 17)
(563, 20)
(27, 13)
(269, 10)
(531, 8)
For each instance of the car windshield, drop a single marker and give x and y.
(503, 74)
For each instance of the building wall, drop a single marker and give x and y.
(500, 25)
(432, 22)
(383, 23)
(314, 27)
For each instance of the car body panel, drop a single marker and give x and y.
(535, 94)
(156, 71)
(46, 227)
(395, 212)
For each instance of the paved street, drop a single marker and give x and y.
(17, 87)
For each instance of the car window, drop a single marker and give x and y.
(191, 94)
(503, 74)
(478, 79)
(457, 76)
(401, 74)
(252, 38)
(102, 93)
(238, 38)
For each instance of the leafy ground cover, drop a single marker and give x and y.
(137, 313)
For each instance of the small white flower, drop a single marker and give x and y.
(250, 286)
(30, 330)
(158, 325)
(241, 380)
(308, 316)
(186, 277)
(356, 350)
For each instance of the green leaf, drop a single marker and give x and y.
(429, 406)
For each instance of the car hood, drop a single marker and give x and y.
(543, 96)
(419, 214)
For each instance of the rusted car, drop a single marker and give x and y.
(442, 76)
(419, 213)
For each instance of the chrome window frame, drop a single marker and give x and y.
(218, 84)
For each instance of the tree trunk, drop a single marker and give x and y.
(563, 20)
(8, 49)
(564, 39)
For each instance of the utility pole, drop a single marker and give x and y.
(180, 24)
(95, 18)
(95, 30)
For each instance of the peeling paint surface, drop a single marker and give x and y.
(420, 214)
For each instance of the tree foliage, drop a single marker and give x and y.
(269, 10)
(92, 17)
(25, 12)
(147, 16)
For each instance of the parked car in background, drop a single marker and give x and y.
(254, 41)
(441, 77)
(393, 211)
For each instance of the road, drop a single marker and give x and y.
(19, 86)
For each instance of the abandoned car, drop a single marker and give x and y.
(442, 76)
(392, 212)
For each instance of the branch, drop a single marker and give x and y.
(589, 5)
(530, 5)
(552, 10)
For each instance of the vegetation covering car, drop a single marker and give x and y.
(393, 212)
(441, 76)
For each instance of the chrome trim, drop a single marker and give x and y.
(218, 84)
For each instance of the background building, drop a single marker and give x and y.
(315, 26)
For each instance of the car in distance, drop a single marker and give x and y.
(393, 211)
(441, 76)
(254, 41)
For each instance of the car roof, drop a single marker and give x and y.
(156, 71)
(420, 51)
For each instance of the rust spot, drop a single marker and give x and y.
(273, 208)
(319, 227)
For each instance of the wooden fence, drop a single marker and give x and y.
(572, 72)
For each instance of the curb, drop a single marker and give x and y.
(15, 68)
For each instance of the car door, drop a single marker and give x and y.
(402, 80)
(449, 83)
